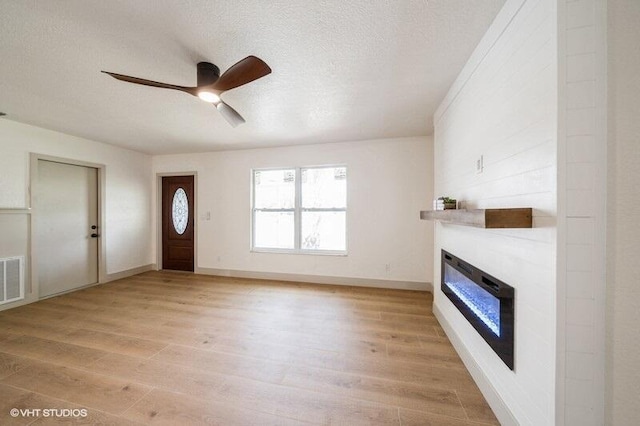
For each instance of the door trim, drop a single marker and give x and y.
(33, 286)
(159, 177)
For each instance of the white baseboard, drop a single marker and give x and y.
(319, 279)
(31, 298)
(128, 273)
(497, 404)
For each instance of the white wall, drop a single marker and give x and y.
(127, 204)
(623, 295)
(503, 106)
(389, 182)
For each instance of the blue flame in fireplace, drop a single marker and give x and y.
(481, 302)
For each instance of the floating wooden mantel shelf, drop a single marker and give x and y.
(483, 218)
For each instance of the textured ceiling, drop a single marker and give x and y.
(342, 70)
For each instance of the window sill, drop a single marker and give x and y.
(303, 252)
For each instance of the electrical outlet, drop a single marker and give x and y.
(387, 267)
(480, 164)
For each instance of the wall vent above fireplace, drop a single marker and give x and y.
(486, 302)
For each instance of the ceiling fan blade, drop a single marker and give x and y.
(229, 114)
(249, 69)
(136, 80)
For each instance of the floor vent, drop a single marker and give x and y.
(11, 279)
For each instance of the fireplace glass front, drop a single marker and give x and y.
(486, 302)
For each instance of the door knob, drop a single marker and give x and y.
(94, 235)
(94, 227)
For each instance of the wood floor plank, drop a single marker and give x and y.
(11, 364)
(14, 398)
(241, 392)
(236, 309)
(51, 351)
(217, 362)
(288, 296)
(93, 418)
(109, 394)
(322, 338)
(433, 374)
(39, 327)
(476, 407)
(153, 373)
(420, 418)
(266, 287)
(161, 334)
(115, 342)
(400, 394)
(6, 335)
(97, 320)
(306, 405)
(439, 354)
(426, 315)
(345, 342)
(179, 348)
(167, 408)
(276, 352)
(200, 309)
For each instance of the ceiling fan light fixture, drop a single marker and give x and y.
(210, 84)
(208, 96)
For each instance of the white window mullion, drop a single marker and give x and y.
(298, 215)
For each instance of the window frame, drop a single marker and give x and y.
(297, 214)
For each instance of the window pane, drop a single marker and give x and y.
(323, 231)
(274, 189)
(180, 211)
(273, 230)
(324, 187)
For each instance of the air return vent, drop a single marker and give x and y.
(11, 279)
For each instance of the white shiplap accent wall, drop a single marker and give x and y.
(503, 106)
(581, 211)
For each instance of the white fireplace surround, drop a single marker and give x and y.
(531, 102)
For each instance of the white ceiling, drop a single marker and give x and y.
(343, 70)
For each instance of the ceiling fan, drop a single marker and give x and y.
(210, 84)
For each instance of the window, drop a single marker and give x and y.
(180, 211)
(300, 210)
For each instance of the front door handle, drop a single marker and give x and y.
(94, 235)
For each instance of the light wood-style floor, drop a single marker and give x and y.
(179, 349)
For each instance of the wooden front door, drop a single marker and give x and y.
(178, 223)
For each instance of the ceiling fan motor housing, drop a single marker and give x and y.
(208, 73)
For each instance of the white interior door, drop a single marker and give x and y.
(66, 210)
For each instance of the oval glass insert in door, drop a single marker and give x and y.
(180, 211)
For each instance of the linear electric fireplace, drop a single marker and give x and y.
(486, 302)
